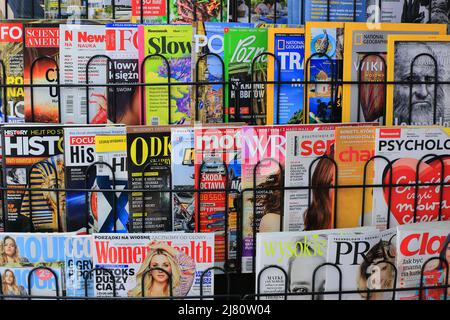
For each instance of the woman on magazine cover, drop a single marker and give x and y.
(435, 275)
(9, 285)
(177, 264)
(9, 253)
(374, 273)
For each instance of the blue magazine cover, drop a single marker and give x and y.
(78, 266)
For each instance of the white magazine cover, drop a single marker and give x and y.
(404, 148)
(298, 254)
(78, 266)
(416, 244)
(366, 262)
(133, 258)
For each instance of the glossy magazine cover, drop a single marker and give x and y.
(78, 266)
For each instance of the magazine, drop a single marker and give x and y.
(420, 153)
(218, 167)
(407, 104)
(79, 156)
(366, 262)
(79, 44)
(288, 46)
(298, 254)
(33, 158)
(174, 43)
(159, 262)
(78, 266)
(149, 168)
(324, 46)
(40, 63)
(417, 243)
(365, 47)
(182, 171)
(92, 9)
(245, 101)
(11, 53)
(19, 9)
(122, 48)
(112, 207)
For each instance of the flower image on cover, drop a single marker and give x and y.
(416, 154)
(174, 42)
(417, 243)
(366, 261)
(78, 44)
(122, 47)
(218, 166)
(209, 40)
(41, 50)
(11, 53)
(33, 158)
(112, 173)
(79, 155)
(182, 170)
(325, 53)
(180, 11)
(78, 266)
(242, 46)
(149, 168)
(151, 264)
(288, 45)
(419, 104)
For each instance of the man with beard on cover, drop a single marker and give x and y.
(425, 98)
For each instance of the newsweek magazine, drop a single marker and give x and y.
(79, 155)
(366, 262)
(78, 266)
(218, 166)
(40, 63)
(298, 254)
(33, 158)
(78, 44)
(420, 153)
(149, 156)
(417, 243)
(138, 258)
(11, 53)
(122, 48)
(112, 173)
(182, 171)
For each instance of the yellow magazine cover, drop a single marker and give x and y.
(288, 47)
(365, 47)
(418, 104)
(324, 43)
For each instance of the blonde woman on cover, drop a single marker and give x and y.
(180, 267)
(9, 285)
(9, 254)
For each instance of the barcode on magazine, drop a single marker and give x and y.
(83, 105)
(69, 104)
(154, 121)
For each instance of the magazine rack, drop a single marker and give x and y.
(232, 283)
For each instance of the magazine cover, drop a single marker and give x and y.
(96, 9)
(366, 263)
(288, 46)
(149, 168)
(316, 10)
(416, 104)
(365, 50)
(298, 254)
(182, 171)
(179, 11)
(79, 155)
(218, 166)
(242, 46)
(112, 173)
(324, 46)
(208, 42)
(78, 266)
(33, 158)
(11, 53)
(41, 52)
(416, 244)
(174, 42)
(18, 9)
(156, 259)
(122, 47)
(415, 153)
(79, 43)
